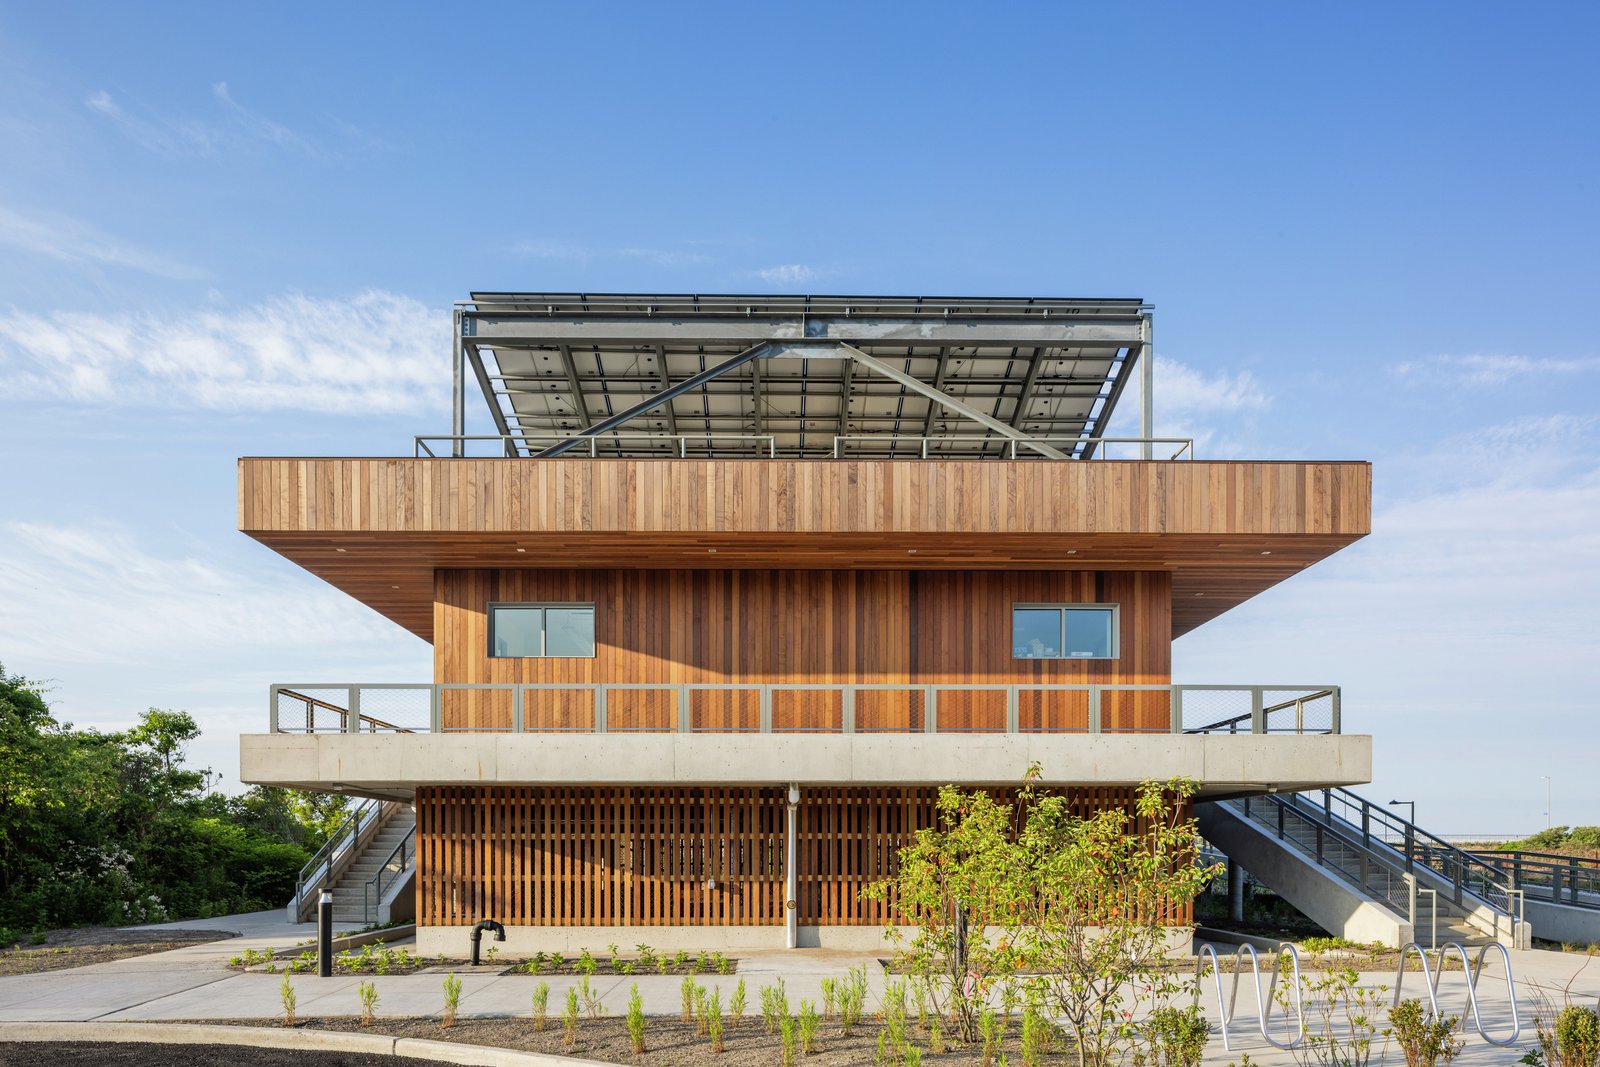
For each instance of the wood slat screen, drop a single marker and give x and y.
(647, 856)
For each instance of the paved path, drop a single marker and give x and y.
(194, 983)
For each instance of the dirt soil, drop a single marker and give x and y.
(130, 1054)
(79, 947)
(670, 1042)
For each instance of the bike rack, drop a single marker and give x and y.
(1471, 971)
(1227, 1013)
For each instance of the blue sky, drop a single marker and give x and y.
(1369, 232)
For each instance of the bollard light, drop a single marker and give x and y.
(325, 935)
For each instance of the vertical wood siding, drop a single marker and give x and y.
(802, 627)
(646, 856)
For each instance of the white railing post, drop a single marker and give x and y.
(847, 709)
(436, 708)
(685, 723)
(272, 708)
(1258, 716)
(765, 704)
(1175, 707)
(930, 710)
(1338, 725)
(516, 707)
(352, 709)
(1013, 709)
(1094, 709)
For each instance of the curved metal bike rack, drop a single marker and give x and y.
(1228, 1012)
(1432, 975)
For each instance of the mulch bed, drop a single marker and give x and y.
(670, 1042)
(133, 1054)
(64, 949)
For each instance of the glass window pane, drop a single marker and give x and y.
(1089, 633)
(569, 631)
(1036, 633)
(514, 631)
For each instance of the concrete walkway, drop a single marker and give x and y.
(193, 983)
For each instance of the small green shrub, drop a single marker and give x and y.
(1574, 1040)
(452, 1000)
(992, 1030)
(286, 993)
(852, 998)
(1177, 1036)
(369, 1001)
(714, 1020)
(774, 1005)
(592, 1007)
(636, 1019)
(789, 1033)
(830, 992)
(686, 990)
(935, 1036)
(586, 964)
(809, 1022)
(736, 1003)
(647, 957)
(569, 1020)
(541, 1005)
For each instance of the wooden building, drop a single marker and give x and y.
(737, 582)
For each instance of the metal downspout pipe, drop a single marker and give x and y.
(791, 891)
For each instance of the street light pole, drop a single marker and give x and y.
(1412, 815)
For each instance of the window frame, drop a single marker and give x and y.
(1061, 610)
(543, 607)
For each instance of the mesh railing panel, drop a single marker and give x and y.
(553, 711)
(725, 711)
(895, 711)
(399, 710)
(961, 711)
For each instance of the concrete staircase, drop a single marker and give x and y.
(1349, 881)
(350, 891)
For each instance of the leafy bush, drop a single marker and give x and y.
(1424, 1041)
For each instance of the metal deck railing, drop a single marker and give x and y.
(622, 707)
(642, 445)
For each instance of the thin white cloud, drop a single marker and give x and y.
(115, 624)
(376, 352)
(232, 127)
(789, 274)
(74, 241)
(663, 257)
(1208, 409)
(1185, 390)
(1486, 370)
(257, 126)
(1463, 629)
(575, 252)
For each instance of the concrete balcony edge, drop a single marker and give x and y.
(393, 765)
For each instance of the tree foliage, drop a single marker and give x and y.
(117, 828)
(1022, 898)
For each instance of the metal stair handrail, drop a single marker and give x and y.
(399, 860)
(1469, 874)
(1473, 971)
(1395, 869)
(1226, 1013)
(342, 837)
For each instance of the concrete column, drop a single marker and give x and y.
(791, 892)
(1235, 892)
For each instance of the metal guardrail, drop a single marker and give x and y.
(613, 707)
(1466, 874)
(1393, 870)
(1548, 877)
(399, 860)
(679, 444)
(919, 446)
(1270, 720)
(742, 445)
